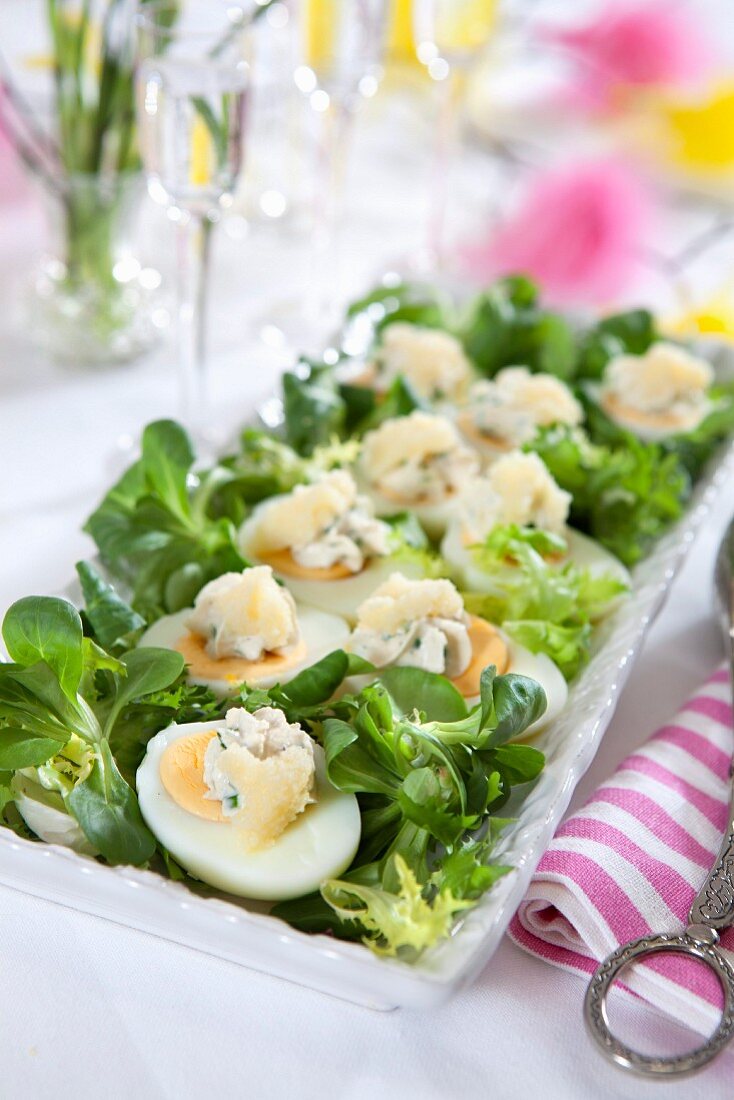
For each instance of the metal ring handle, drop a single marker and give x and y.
(688, 943)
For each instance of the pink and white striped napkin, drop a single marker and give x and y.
(634, 857)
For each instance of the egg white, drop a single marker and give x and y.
(321, 631)
(434, 517)
(342, 596)
(583, 552)
(319, 844)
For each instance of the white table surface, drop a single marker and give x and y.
(89, 1008)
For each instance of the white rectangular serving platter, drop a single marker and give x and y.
(231, 930)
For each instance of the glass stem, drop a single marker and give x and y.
(328, 206)
(193, 241)
(445, 155)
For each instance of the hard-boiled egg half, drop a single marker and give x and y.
(503, 413)
(324, 542)
(417, 463)
(518, 489)
(246, 806)
(431, 361)
(247, 628)
(423, 624)
(658, 394)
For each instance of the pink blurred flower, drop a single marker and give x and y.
(577, 231)
(634, 45)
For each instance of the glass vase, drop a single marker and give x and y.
(94, 303)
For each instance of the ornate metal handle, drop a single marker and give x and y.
(714, 905)
(700, 943)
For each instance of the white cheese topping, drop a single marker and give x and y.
(665, 379)
(515, 403)
(418, 623)
(261, 768)
(433, 362)
(324, 524)
(417, 458)
(516, 489)
(245, 615)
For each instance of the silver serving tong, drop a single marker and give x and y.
(712, 911)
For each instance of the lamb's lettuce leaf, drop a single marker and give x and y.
(313, 408)
(431, 776)
(154, 531)
(408, 302)
(111, 621)
(628, 333)
(60, 701)
(507, 326)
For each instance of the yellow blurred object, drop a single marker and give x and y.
(464, 26)
(38, 61)
(92, 46)
(688, 137)
(714, 317)
(701, 133)
(401, 42)
(202, 153)
(318, 24)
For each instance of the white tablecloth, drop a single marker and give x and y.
(92, 1009)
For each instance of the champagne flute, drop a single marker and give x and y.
(341, 46)
(450, 35)
(193, 79)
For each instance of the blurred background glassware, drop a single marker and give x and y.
(450, 36)
(342, 47)
(193, 85)
(274, 188)
(95, 303)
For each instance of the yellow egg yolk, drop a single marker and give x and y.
(182, 775)
(488, 648)
(275, 790)
(235, 670)
(282, 561)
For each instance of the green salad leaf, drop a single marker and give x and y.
(506, 326)
(41, 628)
(112, 622)
(547, 607)
(693, 449)
(428, 772)
(153, 529)
(264, 467)
(408, 302)
(628, 333)
(697, 447)
(625, 496)
(395, 920)
(313, 408)
(400, 399)
(60, 701)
